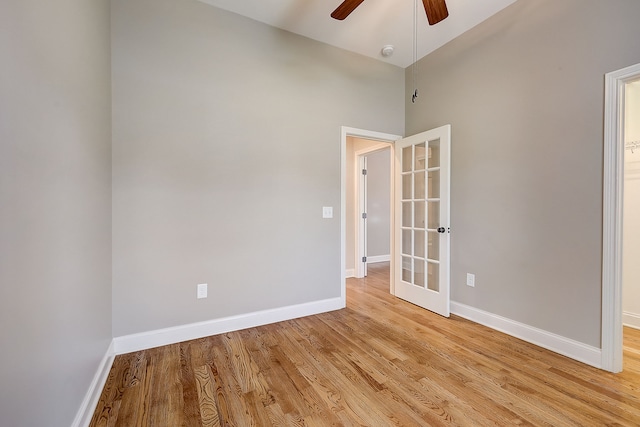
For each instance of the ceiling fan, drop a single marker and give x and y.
(436, 10)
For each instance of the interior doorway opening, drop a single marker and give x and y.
(615, 145)
(347, 182)
(369, 207)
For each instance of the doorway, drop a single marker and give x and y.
(347, 182)
(426, 249)
(612, 230)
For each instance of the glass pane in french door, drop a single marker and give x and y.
(420, 155)
(419, 214)
(418, 274)
(419, 185)
(406, 187)
(407, 215)
(407, 159)
(433, 246)
(433, 183)
(434, 154)
(418, 244)
(406, 242)
(433, 214)
(407, 270)
(433, 279)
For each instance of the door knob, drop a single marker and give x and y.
(441, 230)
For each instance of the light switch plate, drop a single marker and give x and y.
(327, 212)
(202, 290)
(471, 279)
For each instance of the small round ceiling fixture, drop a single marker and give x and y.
(387, 50)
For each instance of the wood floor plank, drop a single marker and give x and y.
(190, 385)
(379, 362)
(208, 408)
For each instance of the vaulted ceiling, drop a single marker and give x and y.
(373, 25)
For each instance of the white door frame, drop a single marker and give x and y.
(613, 191)
(361, 206)
(345, 132)
(361, 223)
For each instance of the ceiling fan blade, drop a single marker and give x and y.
(345, 9)
(436, 10)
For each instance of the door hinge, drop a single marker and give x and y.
(364, 215)
(364, 171)
(364, 259)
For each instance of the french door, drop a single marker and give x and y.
(421, 229)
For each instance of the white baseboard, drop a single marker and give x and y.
(378, 258)
(631, 320)
(88, 406)
(350, 272)
(160, 337)
(556, 343)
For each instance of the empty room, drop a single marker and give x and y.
(184, 215)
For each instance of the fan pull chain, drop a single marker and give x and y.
(414, 67)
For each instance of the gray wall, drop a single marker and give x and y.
(55, 206)
(524, 92)
(379, 203)
(226, 145)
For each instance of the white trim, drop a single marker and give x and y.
(176, 334)
(556, 343)
(357, 133)
(613, 181)
(91, 398)
(631, 320)
(343, 215)
(351, 272)
(378, 258)
(361, 226)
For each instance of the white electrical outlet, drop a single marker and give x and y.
(327, 212)
(471, 279)
(202, 290)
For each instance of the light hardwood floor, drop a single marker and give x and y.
(379, 362)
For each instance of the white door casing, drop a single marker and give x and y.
(613, 191)
(422, 214)
(361, 270)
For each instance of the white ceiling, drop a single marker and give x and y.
(374, 24)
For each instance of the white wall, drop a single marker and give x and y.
(523, 92)
(226, 146)
(631, 218)
(55, 206)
